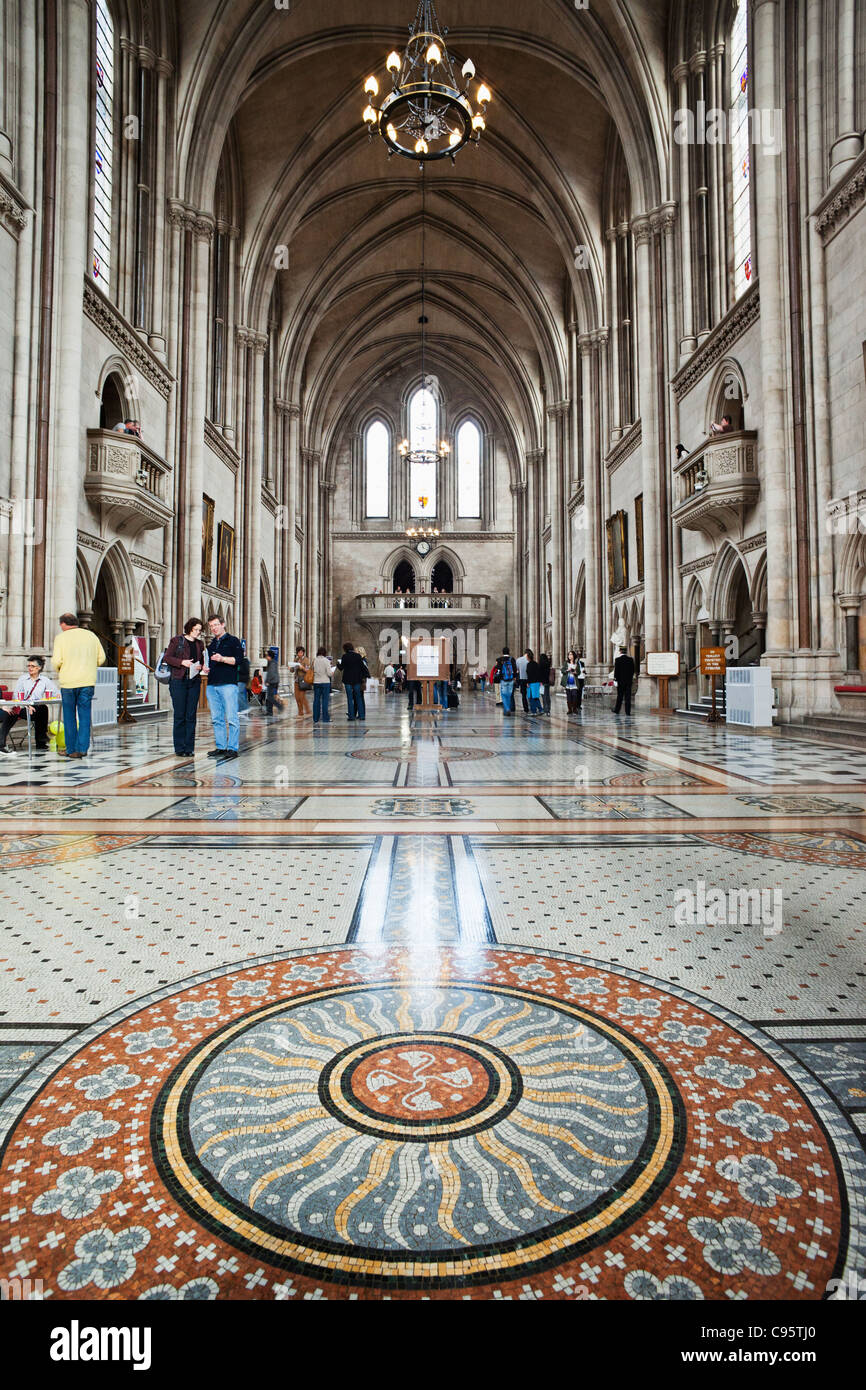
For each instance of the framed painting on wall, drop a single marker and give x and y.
(225, 555)
(207, 520)
(638, 535)
(617, 552)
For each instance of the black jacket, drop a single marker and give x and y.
(533, 673)
(178, 650)
(623, 670)
(354, 668)
(220, 672)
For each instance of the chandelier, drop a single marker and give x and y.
(427, 114)
(422, 533)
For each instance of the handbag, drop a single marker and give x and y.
(162, 672)
(306, 677)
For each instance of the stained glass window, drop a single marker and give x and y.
(104, 147)
(740, 152)
(469, 470)
(377, 451)
(423, 434)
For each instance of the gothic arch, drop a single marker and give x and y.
(403, 553)
(727, 385)
(450, 558)
(722, 585)
(120, 574)
(84, 584)
(118, 367)
(852, 566)
(695, 601)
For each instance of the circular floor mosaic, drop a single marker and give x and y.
(344, 1123)
(409, 753)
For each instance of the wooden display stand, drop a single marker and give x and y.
(664, 667)
(428, 663)
(125, 669)
(713, 664)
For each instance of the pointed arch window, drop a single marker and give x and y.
(469, 470)
(423, 434)
(103, 153)
(740, 152)
(377, 459)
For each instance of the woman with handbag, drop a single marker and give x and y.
(185, 656)
(304, 680)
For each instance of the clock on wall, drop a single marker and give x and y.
(423, 547)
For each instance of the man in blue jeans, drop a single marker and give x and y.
(225, 655)
(506, 685)
(355, 673)
(77, 656)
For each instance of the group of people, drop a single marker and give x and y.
(315, 676)
(533, 678)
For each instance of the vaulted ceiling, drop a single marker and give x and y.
(274, 100)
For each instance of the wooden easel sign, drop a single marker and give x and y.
(714, 663)
(125, 669)
(665, 667)
(428, 663)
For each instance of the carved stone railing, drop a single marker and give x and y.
(444, 607)
(717, 484)
(127, 481)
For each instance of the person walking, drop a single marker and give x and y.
(522, 662)
(546, 665)
(623, 674)
(302, 669)
(30, 690)
(272, 681)
(185, 655)
(533, 683)
(481, 681)
(569, 679)
(389, 678)
(77, 656)
(225, 657)
(507, 676)
(322, 673)
(355, 673)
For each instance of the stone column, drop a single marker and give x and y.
(518, 617)
(615, 407)
(776, 482)
(688, 342)
(288, 415)
(254, 346)
(67, 460)
(7, 45)
(230, 411)
(123, 249)
(327, 488)
(592, 503)
(760, 621)
(313, 461)
(646, 351)
(698, 67)
(196, 396)
(157, 326)
(719, 192)
(848, 143)
(534, 526)
(556, 474)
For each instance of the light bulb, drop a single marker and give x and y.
(469, 69)
(370, 115)
(434, 53)
(479, 123)
(393, 62)
(454, 138)
(371, 86)
(484, 94)
(421, 146)
(392, 133)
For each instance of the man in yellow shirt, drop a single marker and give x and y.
(77, 656)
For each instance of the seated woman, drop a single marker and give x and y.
(31, 688)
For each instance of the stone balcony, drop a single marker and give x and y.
(127, 481)
(717, 484)
(440, 610)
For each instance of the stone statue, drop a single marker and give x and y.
(619, 638)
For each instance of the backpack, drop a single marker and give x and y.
(163, 670)
(506, 667)
(243, 670)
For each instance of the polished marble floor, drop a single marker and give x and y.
(466, 1007)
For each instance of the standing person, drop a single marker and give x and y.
(507, 676)
(623, 674)
(522, 662)
(581, 679)
(533, 683)
(322, 673)
(225, 655)
(77, 656)
(440, 694)
(355, 673)
(185, 655)
(31, 688)
(416, 694)
(546, 677)
(389, 678)
(272, 681)
(243, 678)
(302, 668)
(569, 679)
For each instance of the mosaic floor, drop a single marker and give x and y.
(563, 1009)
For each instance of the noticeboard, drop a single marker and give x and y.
(663, 663)
(125, 661)
(428, 660)
(713, 661)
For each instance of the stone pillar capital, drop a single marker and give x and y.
(850, 603)
(698, 61)
(680, 72)
(642, 229)
(558, 410)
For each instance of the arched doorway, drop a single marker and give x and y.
(112, 407)
(747, 635)
(106, 611)
(404, 578)
(442, 578)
